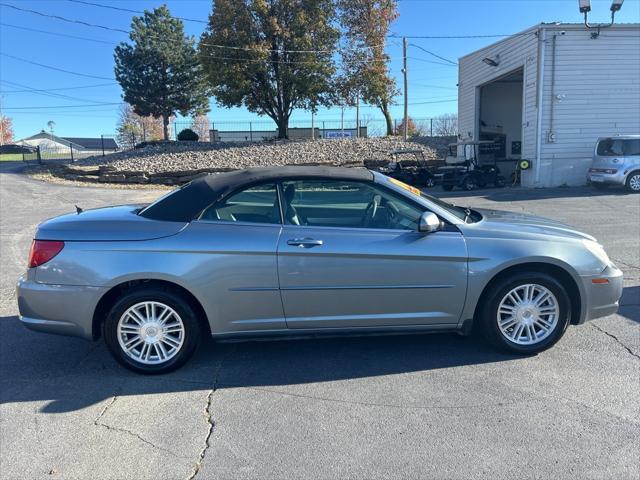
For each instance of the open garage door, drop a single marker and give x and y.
(500, 120)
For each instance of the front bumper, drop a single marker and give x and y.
(601, 299)
(59, 309)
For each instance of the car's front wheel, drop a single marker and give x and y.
(526, 313)
(152, 330)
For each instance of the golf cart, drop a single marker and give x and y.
(412, 170)
(466, 171)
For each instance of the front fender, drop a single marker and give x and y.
(488, 258)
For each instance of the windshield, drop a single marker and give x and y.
(463, 213)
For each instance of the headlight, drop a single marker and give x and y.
(597, 250)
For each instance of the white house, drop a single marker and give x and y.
(546, 94)
(81, 145)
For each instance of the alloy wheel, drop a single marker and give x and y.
(634, 182)
(151, 332)
(528, 314)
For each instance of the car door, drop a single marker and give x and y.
(342, 265)
(235, 270)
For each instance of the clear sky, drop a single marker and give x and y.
(432, 86)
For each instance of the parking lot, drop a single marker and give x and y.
(428, 406)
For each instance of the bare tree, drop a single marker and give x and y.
(6, 130)
(446, 125)
(133, 128)
(201, 126)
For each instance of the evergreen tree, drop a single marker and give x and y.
(159, 70)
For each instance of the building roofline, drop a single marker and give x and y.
(548, 26)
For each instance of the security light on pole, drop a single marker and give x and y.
(616, 5)
(585, 8)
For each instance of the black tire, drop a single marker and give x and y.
(633, 182)
(488, 313)
(468, 184)
(168, 297)
(447, 188)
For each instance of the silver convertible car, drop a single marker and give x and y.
(305, 251)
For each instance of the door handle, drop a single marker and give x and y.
(304, 242)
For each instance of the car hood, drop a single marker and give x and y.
(520, 224)
(120, 223)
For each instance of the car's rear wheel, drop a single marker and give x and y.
(429, 182)
(526, 313)
(152, 330)
(633, 182)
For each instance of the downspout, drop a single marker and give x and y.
(552, 134)
(542, 38)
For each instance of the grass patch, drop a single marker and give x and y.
(18, 157)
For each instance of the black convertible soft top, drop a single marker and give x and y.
(185, 203)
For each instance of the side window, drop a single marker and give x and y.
(329, 203)
(631, 147)
(257, 204)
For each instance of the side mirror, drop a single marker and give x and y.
(429, 223)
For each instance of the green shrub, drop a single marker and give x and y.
(188, 135)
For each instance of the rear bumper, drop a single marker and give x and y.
(58, 309)
(617, 178)
(602, 299)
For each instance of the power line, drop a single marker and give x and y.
(441, 87)
(63, 19)
(128, 10)
(119, 30)
(453, 37)
(57, 89)
(54, 68)
(433, 54)
(49, 94)
(64, 106)
(431, 61)
(75, 37)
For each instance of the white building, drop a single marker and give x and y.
(547, 94)
(80, 145)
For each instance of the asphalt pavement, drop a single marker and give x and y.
(421, 406)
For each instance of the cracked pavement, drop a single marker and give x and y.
(439, 406)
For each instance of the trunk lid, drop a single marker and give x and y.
(120, 223)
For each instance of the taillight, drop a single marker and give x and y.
(43, 250)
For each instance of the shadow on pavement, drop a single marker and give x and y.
(630, 303)
(72, 374)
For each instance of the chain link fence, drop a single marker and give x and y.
(261, 130)
(70, 151)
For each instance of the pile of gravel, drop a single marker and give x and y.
(184, 156)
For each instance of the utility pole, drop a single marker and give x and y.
(406, 97)
(358, 115)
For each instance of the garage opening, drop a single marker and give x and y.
(500, 120)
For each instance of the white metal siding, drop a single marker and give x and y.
(598, 85)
